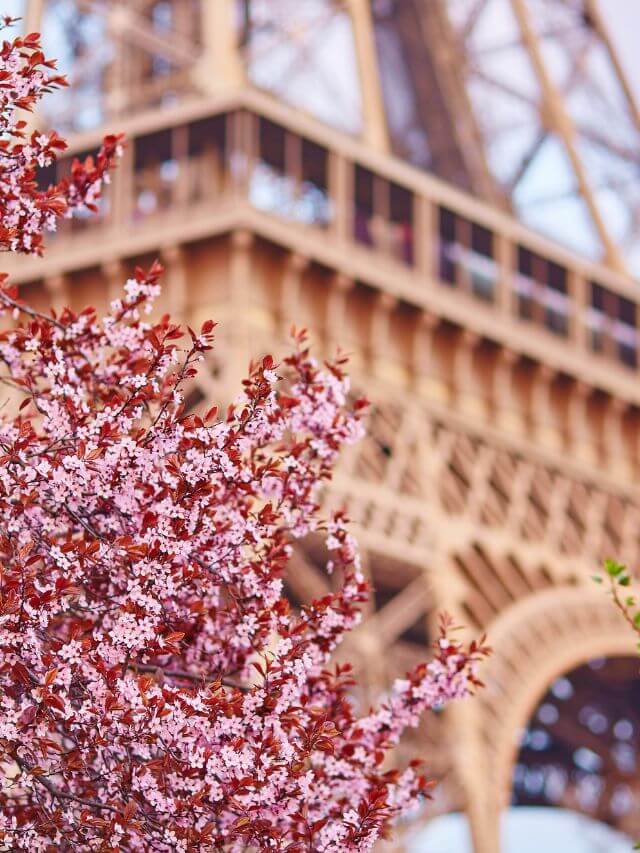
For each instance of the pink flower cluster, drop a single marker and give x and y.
(157, 691)
(27, 211)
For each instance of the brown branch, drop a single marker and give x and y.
(31, 312)
(622, 607)
(183, 674)
(60, 794)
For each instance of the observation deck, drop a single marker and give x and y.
(493, 295)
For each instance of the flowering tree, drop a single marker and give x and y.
(157, 692)
(27, 211)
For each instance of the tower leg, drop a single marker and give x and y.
(484, 823)
(474, 775)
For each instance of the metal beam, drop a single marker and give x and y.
(33, 16)
(564, 127)
(374, 117)
(221, 65)
(305, 580)
(595, 16)
(131, 27)
(462, 130)
(400, 613)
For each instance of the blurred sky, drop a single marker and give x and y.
(621, 16)
(623, 20)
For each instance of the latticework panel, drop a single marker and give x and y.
(503, 537)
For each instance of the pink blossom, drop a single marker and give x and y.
(157, 691)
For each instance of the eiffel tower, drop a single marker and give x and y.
(448, 190)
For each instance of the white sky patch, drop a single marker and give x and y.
(525, 830)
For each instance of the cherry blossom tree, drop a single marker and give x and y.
(27, 211)
(157, 690)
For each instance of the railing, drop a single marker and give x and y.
(301, 172)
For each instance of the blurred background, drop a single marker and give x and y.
(449, 190)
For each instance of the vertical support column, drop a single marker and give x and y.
(430, 377)
(541, 407)
(484, 819)
(173, 259)
(507, 406)
(57, 287)
(474, 773)
(336, 323)
(578, 331)
(221, 66)
(374, 119)
(379, 339)
(463, 723)
(293, 163)
(634, 440)
(594, 526)
(463, 234)
(290, 311)
(244, 147)
(123, 190)
(423, 355)
(557, 508)
(115, 275)
(118, 89)
(580, 430)
(465, 379)
(380, 218)
(505, 255)
(33, 16)
(181, 189)
(424, 236)
(341, 196)
(236, 358)
(614, 440)
(629, 535)
(374, 660)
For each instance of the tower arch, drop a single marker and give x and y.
(536, 641)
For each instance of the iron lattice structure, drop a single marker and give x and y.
(370, 168)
